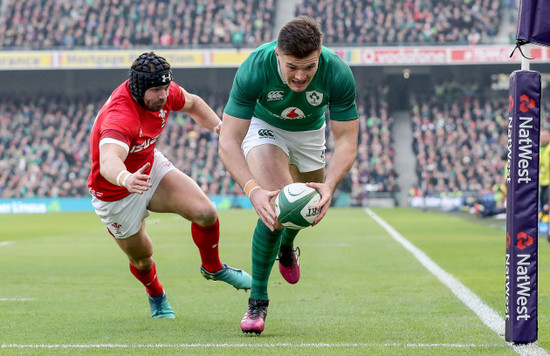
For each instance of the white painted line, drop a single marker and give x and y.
(6, 243)
(16, 299)
(309, 345)
(487, 315)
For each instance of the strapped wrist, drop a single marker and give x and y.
(123, 183)
(251, 190)
(118, 182)
(250, 186)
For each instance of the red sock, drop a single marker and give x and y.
(206, 238)
(149, 280)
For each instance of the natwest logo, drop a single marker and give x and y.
(524, 240)
(526, 103)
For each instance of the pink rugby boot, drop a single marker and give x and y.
(254, 319)
(288, 264)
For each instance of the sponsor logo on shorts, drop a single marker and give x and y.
(314, 97)
(265, 133)
(117, 228)
(275, 95)
(292, 113)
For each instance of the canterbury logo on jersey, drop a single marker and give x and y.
(144, 145)
(265, 133)
(275, 95)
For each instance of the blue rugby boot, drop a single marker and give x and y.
(235, 277)
(160, 308)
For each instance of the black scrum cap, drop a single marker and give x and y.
(148, 71)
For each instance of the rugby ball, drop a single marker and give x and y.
(295, 205)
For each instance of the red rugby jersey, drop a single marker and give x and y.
(123, 121)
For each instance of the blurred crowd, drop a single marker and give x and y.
(460, 140)
(44, 148)
(374, 171)
(405, 22)
(460, 146)
(458, 135)
(100, 24)
(459, 143)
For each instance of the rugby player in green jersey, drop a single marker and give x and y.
(273, 134)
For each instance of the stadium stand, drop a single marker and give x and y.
(373, 171)
(458, 140)
(44, 150)
(391, 22)
(48, 24)
(44, 147)
(460, 143)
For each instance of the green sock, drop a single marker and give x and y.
(288, 236)
(265, 247)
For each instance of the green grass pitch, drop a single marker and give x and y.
(65, 289)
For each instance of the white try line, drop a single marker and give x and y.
(250, 346)
(6, 243)
(489, 317)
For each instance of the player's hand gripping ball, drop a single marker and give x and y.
(295, 205)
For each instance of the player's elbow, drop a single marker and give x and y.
(222, 147)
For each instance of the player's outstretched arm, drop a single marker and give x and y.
(199, 111)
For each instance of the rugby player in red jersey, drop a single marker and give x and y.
(130, 177)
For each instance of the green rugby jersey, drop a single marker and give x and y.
(259, 90)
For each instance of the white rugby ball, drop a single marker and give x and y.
(295, 205)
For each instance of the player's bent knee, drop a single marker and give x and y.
(205, 215)
(143, 263)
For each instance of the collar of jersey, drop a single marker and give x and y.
(279, 70)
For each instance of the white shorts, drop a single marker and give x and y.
(123, 217)
(305, 149)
